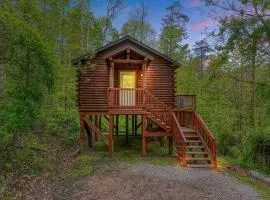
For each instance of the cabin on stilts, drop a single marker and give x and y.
(128, 78)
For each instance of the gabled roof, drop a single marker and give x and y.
(131, 40)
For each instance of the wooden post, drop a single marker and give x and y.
(100, 122)
(143, 135)
(135, 121)
(117, 125)
(162, 141)
(170, 140)
(81, 133)
(133, 124)
(144, 72)
(96, 123)
(127, 129)
(111, 117)
(111, 73)
(93, 134)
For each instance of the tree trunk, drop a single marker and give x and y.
(1, 59)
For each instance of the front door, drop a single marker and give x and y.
(127, 85)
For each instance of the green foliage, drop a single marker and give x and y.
(25, 155)
(170, 42)
(29, 73)
(134, 28)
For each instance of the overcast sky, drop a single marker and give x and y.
(196, 28)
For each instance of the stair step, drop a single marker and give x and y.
(198, 159)
(193, 141)
(199, 165)
(195, 147)
(187, 130)
(197, 152)
(191, 136)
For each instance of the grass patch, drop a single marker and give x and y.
(99, 159)
(262, 189)
(241, 174)
(81, 171)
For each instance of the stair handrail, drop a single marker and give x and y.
(207, 136)
(158, 107)
(178, 135)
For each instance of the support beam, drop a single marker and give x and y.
(81, 133)
(100, 122)
(170, 140)
(127, 134)
(96, 123)
(162, 141)
(135, 125)
(107, 118)
(117, 125)
(111, 119)
(126, 61)
(144, 142)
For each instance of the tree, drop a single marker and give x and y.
(138, 27)
(113, 9)
(201, 50)
(246, 32)
(30, 72)
(173, 32)
(1, 59)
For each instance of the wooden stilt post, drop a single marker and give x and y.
(135, 121)
(127, 129)
(162, 141)
(143, 135)
(111, 119)
(170, 145)
(133, 125)
(117, 125)
(100, 122)
(81, 133)
(96, 123)
(93, 134)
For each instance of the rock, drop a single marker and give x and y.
(259, 176)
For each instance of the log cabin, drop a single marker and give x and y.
(128, 78)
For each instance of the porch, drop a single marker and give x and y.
(140, 101)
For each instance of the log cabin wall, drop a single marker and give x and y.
(160, 80)
(93, 84)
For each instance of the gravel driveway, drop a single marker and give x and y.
(145, 181)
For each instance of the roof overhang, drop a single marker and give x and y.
(131, 43)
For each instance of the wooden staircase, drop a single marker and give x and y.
(197, 154)
(195, 145)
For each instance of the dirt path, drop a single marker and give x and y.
(145, 181)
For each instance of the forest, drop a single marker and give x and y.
(228, 70)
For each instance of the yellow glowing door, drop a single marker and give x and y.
(127, 83)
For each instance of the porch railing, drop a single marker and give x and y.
(126, 98)
(185, 102)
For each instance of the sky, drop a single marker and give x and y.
(197, 27)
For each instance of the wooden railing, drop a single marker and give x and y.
(185, 118)
(158, 108)
(185, 102)
(179, 140)
(206, 136)
(126, 98)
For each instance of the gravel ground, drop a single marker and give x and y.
(145, 181)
